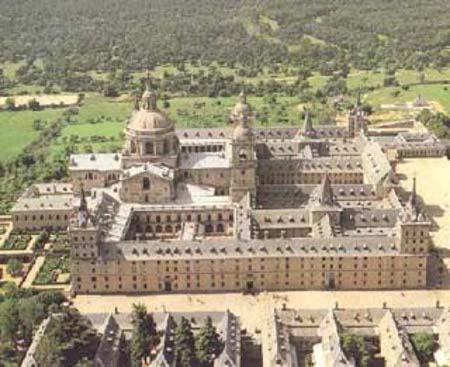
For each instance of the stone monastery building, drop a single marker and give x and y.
(239, 208)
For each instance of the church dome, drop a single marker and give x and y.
(149, 117)
(149, 120)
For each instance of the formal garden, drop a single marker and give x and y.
(55, 270)
(17, 240)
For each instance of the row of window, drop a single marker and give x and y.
(182, 217)
(42, 217)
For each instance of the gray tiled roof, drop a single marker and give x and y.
(232, 248)
(44, 203)
(95, 162)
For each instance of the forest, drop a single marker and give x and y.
(322, 35)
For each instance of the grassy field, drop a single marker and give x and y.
(214, 112)
(430, 75)
(364, 79)
(98, 124)
(17, 129)
(432, 92)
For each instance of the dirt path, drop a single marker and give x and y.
(28, 282)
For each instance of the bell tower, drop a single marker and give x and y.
(243, 161)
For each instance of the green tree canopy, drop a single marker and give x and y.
(208, 344)
(184, 345)
(144, 334)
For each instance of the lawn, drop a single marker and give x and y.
(432, 92)
(17, 129)
(99, 122)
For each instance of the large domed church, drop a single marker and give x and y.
(150, 134)
(238, 208)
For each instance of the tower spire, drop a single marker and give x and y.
(413, 198)
(83, 202)
(307, 126)
(325, 194)
(358, 99)
(149, 97)
(83, 214)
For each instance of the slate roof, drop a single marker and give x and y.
(95, 162)
(44, 203)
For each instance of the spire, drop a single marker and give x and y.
(149, 96)
(412, 202)
(325, 192)
(83, 214)
(83, 202)
(308, 126)
(358, 99)
(412, 208)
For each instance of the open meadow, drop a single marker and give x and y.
(17, 129)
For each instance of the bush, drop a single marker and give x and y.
(14, 267)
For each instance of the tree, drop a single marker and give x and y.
(207, 344)
(10, 104)
(8, 320)
(30, 313)
(34, 105)
(14, 267)
(144, 334)
(47, 354)
(424, 345)
(72, 339)
(359, 348)
(184, 345)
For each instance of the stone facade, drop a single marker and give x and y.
(242, 209)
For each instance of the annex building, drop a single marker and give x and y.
(239, 208)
